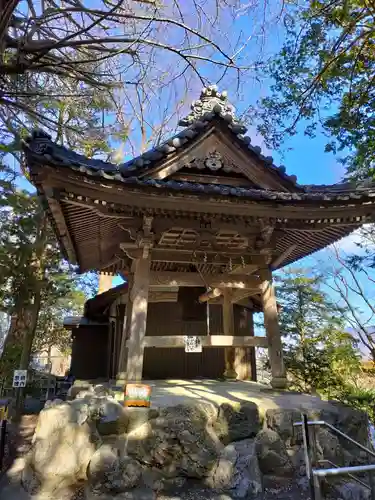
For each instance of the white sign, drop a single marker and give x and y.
(19, 378)
(192, 344)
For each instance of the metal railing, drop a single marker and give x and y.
(315, 475)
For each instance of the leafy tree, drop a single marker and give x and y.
(324, 77)
(319, 354)
(63, 300)
(33, 278)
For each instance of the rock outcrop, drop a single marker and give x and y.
(180, 441)
(119, 453)
(237, 470)
(63, 445)
(237, 421)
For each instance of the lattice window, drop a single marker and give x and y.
(178, 237)
(231, 239)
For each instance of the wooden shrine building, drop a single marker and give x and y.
(202, 219)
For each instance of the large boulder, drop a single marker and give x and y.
(78, 388)
(237, 421)
(139, 416)
(282, 421)
(328, 444)
(108, 473)
(202, 413)
(328, 447)
(63, 445)
(351, 491)
(237, 470)
(113, 418)
(272, 454)
(355, 424)
(110, 416)
(180, 442)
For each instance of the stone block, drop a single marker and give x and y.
(281, 421)
(350, 490)
(77, 388)
(63, 445)
(180, 442)
(237, 471)
(108, 473)
(272, 454)
(237, 421)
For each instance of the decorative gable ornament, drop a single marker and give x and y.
(212, 102)
(214, 161)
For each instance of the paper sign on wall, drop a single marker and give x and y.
(192, 344)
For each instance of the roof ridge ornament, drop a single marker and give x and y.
(213, 102)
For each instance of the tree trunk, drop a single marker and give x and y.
(17, 349)
(30, 332)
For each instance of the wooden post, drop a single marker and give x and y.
(244, 362)
(138, 318)
(228, 327)
(121, 374)
(271, 322)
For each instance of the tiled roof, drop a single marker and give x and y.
(212, 106)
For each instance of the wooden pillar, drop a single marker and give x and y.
(121, 372)
(228, 327)
(105, 282)
(271, 322)
(244, 362)
(138, 319)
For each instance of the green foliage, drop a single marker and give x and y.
(64, 300)
(324, 77)
(319, 354)
(359, 398)
(304, 306)
(37, 288)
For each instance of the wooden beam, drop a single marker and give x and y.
(156, 296)
(239, 295)
(235, 258)
(212, 223)
(58, 215)
(194, 279)
(280, 259)
(207, 341)
(205, 297)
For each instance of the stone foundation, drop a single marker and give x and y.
(112, 452)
